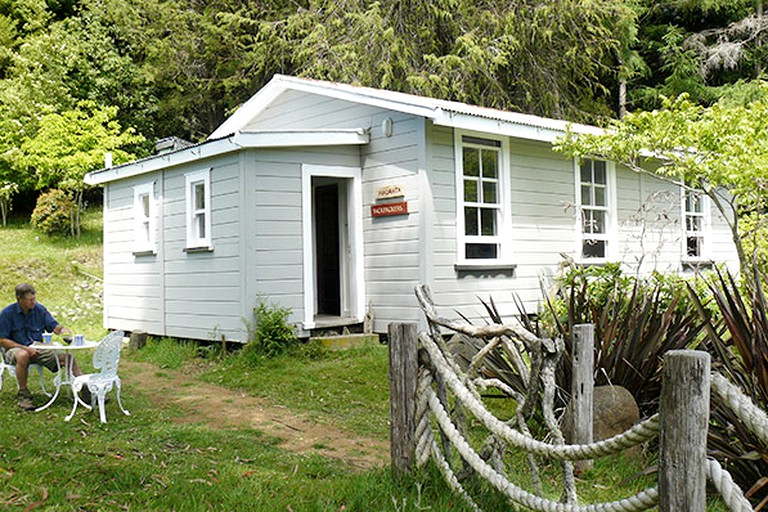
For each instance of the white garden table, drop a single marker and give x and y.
(64, 376)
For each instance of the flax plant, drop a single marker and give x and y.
(737, 336)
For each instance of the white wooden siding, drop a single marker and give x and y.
(385, 160)
(132, 284)
(394, 246)
(256, 197)
(274, 223)
(544, 228)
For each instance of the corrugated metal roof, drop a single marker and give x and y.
(440, 111)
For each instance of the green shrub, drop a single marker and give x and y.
(53, 213)
(272, 335)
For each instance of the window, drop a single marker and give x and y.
(594, 192)
(695, 225)
(144, 219)
(481, 213)
(199, 210)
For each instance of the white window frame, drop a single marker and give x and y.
(502, 239)
(196, 240)
(705, 231)
(144, 225)
(610, 235)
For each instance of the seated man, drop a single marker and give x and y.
(22, 324)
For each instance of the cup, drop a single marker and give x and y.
(79, 339)
(47, 337)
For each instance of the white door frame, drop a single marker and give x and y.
(353, 283)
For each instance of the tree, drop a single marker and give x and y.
(72, 143)
(718, 151)
(727, 48)
(672, 39)
(557, 58)
(7, 190)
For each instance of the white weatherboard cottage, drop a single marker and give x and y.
(333, 200)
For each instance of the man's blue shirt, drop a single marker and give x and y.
(25, 329)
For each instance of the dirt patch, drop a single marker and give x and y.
(222, 408)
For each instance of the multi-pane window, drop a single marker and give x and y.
(481, 195)
(694, 214)
(198, 210)
(144, 218)
(594, 209)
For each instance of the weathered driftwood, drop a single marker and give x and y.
(543, 354)
(681, 426)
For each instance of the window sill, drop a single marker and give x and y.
(484, 266)
(475, 270)
(592, 263)
(204, 248)
(691, 264)
(144, 252)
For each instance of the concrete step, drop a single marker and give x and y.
(343, 341)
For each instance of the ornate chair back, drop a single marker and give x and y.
(106, 357)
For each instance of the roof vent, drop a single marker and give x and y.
(170, 144)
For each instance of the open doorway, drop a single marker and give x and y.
(333, 275)
(328, 250)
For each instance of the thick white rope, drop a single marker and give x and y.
(466, 392)
(638, 434)
(423, 432)
(753, 417)
(639, 502)
(450, 476)
(731, 493)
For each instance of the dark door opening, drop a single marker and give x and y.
(327, 251)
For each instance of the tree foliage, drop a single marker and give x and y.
(680, 41)
(53, 213)
(179, 67)
(70, 144)
(554, 58)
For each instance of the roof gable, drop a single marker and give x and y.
(441, 112)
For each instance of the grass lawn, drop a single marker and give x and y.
(158, 460)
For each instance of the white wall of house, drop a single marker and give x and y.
(133, 289)
(393, 246)
(170, 291)
(544, 228)
(259, 231)
(202, 289)
(274, 244)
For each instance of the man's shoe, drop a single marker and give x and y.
(86, 396)
(25, 400)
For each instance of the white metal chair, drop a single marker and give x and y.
(11, 369)
(105, 358)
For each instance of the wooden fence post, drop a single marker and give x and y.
(403, 379)
(582, 388)
(684, 419)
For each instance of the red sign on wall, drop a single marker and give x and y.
(383, 210)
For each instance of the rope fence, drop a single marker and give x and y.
(432, 398)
